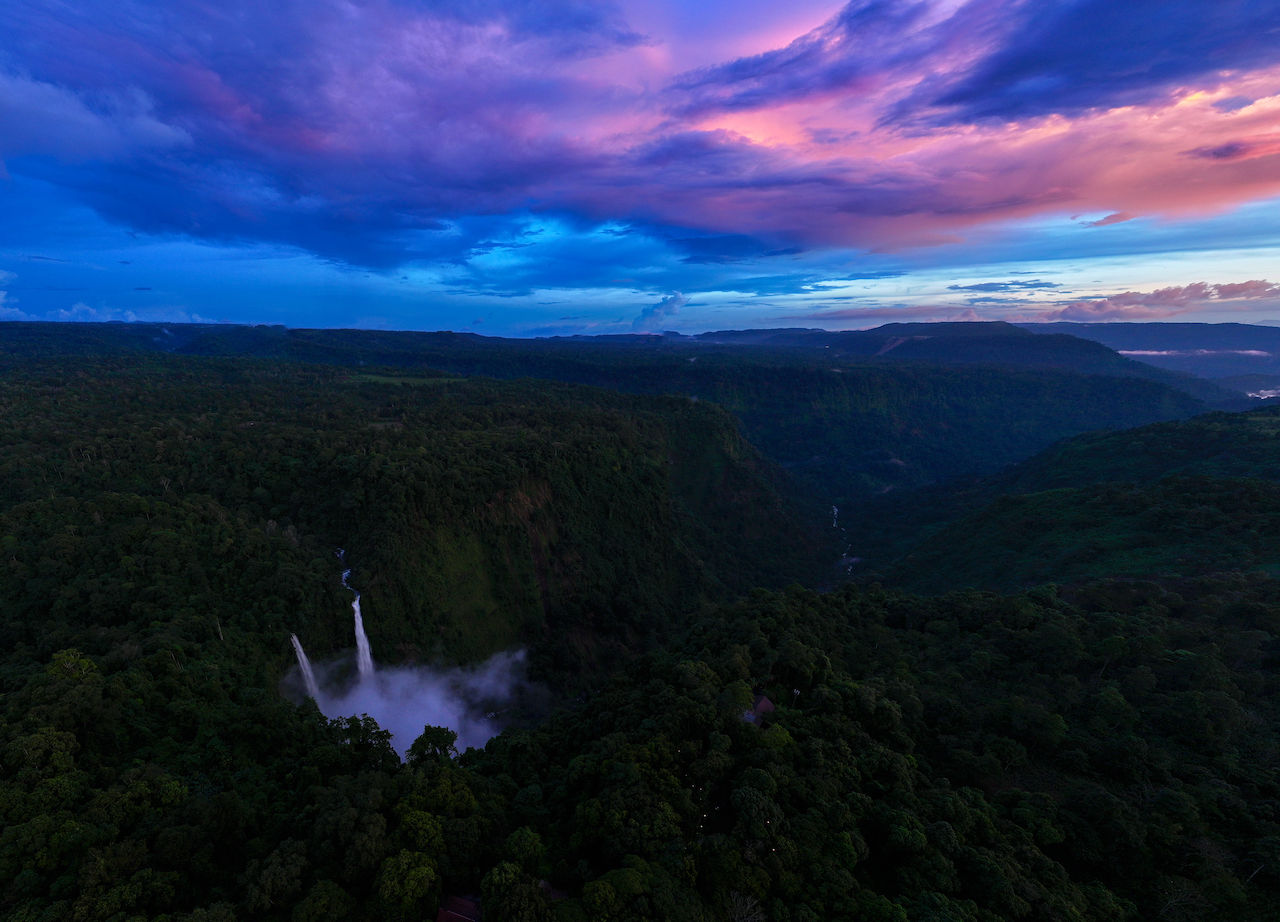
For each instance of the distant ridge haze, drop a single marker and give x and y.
(1208, 350)
(1161, 352)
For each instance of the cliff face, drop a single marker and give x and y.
(613, 524)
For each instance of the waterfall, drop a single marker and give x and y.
(364, 655)
(304, 664)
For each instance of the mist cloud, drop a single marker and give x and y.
(404, 699)
(653, 316)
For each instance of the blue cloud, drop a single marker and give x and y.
(1012, 285)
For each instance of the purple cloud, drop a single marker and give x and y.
(1078, 56)
(41, 118)
(1118, 217)
(999, 59)
(1165, 302)
(857, 51)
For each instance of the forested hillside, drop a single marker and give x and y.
(477, 514)
(1105, 756)
(1169, 499)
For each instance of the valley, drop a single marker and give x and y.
(1045, 690)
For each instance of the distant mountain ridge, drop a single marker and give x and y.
(938, 401)
(578, 359)
(1210, 350)
(986, 343)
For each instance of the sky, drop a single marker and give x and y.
(558, 167)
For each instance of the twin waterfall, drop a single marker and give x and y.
(364, 654)
(405, 698)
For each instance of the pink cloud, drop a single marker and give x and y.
(1118, 218)
(1162, 303)
(1240, 149)
(1256, 288)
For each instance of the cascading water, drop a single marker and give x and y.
(304, 665)
(364, 654)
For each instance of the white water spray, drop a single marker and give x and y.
(304, 666)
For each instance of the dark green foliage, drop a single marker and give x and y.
(1109, 755)
(1098, 757)
(849, 413)
(1096, 753)
(477, 513)
(436, 744)
(1184, 498)
(1178, 526)
(1212, 445)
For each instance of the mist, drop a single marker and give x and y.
(404, 699)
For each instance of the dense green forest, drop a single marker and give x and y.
(478, 513)
(1101, 743)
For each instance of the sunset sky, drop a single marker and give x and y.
(538, 167)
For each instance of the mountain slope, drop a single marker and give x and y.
(1209, 350)
(1183, 498)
